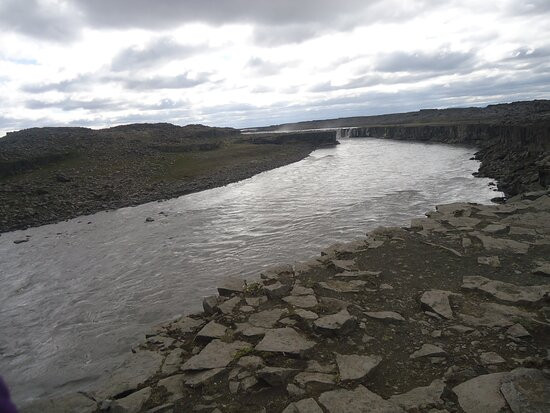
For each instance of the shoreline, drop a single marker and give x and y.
(406, 319)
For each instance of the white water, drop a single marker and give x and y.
(76, 296)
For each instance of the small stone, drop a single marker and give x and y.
(386, 287)
(518, 331)
(385, 315)
(149, 219)
(492, 261)
(248, 383)
(491, 358)
(300, 290)
(428, 350)
(234, 387)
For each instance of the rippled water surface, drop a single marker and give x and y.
(77, 295)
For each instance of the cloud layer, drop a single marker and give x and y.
(245, 63)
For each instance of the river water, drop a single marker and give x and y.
(79, 294)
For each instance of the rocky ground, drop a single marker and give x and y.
(449, 315)
(51, 174)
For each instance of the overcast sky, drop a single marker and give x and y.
(258, 62)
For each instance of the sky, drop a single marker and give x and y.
(244, 63)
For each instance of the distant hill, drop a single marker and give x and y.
(508, 113)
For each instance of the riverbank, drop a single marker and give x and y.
(449, 314)
(52, 174)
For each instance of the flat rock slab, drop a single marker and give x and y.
(527, 392)
(303, 406)
(507, 292)
(503, 244)
(428, 350)
(518, 331)
(306, 314)
(186, 325)
(266, 318)
(421, 398)
(132, 403)
(352, 286)
(135, 370)
(212, 330)
(492, 261)
(174, 387)
(345, 265)
(275, 376)
(486, 394)
(277, 290)
(232, 286)
(490, 358)
(385, 315)
(360, 400)
(227, 307)
(216, 354)
(306, 377)
(172, 362)
(75, 402)
(248, 330)
(302, 301)
(354, 366)
(199, 378)
(284, 340)
(301, 290)
(438, 302)
(496, 315)
(340, 323)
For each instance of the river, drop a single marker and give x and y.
(80, 293)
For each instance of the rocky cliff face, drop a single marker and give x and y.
(518, 156)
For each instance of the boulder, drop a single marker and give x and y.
(303, 301)
(186, 325)
(232, 286)
(227, 307)
(277, 290)
(173, 386)
(172, 362)
(503, 244)
(199, 378)
(496, 315)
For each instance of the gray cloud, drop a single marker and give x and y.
(166, 82)
(68, 85)
(263, 67)
(72, 104)
(424, 62)
(34, 19)
(154, 53)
